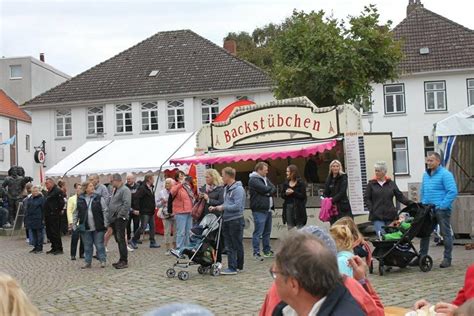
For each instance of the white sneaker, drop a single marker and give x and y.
(106, 249)
(130, 249)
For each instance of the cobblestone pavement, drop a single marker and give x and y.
(58, 286)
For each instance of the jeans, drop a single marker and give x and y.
(36, 236)
(378, 227)
(263, 229)
(95, 238)
(184, 223)
(144, 220)
(53, 231)
(233, 236)
(136, 225)
(75, 239)
(444, 221)
(120, 227)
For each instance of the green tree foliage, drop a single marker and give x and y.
(329, 61)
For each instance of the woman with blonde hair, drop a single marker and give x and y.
(344, 243)
(13, 301)
(336, 189)
(165, 213)
(360, 247)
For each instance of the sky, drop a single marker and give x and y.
(76, 35)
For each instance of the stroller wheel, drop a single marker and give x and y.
(171, 273)
(426, 263)
(202, 270)
(371, 267)
(183, 275)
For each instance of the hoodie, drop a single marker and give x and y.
(234, 201)
(261, 192)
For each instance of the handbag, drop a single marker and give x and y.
(198, 208)
(328, 210)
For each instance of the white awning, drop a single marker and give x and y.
(76, 157)
(461, 123)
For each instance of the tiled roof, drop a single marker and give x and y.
(10, 109)
(451, 45)
(185, 61)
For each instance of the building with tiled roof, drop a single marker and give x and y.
(171, 82)
(436, 80)
(15, 125)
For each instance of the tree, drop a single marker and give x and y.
(329, 61)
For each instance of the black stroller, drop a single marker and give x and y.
(399, 253)
(202, 251)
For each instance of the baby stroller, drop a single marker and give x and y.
(202, 250)
(399, 253)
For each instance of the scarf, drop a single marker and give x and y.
(190, 192)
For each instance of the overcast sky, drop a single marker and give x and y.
(78, 34)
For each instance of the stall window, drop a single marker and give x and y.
(95, 120)
(16, 72)
(63, 123)
(400, 156)
(210, 109)
(123, 118)
(470, 92)
(435, 96)
(176, 115)
(149, 116)
(394, 95)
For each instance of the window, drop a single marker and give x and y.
(394, 98)
(400, 156)
(435, 96)
(176, 115)
(63, 123)
(123, 118)
(470, 92)
(428, 146)
(243, 97)
(95, 121)
(16, 72)
(210, 109)
(149, 116)
(27, 143)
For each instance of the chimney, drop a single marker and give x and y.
(412, 5)
(42, 57)
(230, 45)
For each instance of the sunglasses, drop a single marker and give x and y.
(274, 273)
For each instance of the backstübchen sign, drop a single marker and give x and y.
(278, 121)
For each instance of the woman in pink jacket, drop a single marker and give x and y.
(183, 200)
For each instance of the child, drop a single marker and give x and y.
(403, 224)
(344, 242)
(359, 247)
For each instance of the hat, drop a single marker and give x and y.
(321, 234)
(180, 309)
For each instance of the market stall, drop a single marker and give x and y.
(291, 131)
(454, 139)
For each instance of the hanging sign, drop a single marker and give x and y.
(40, 156)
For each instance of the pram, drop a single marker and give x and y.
(399, 253)
(202, 251)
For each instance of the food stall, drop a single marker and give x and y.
(291, 131)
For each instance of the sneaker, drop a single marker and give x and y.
(106, 249)
(59, 252)
(50, 252)
(73, 258)
(116, 263)
(257, 257)
(121, 265)
(33, 250)
(176, 253)
(86, 266)
(27, 240)
(229, 271)
(269, 254)
(445, 264)
(130, 249)
(102, 264)
(154, 245)
(133, 244)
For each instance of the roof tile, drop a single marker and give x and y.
(10, 109)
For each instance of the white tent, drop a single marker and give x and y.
(76, 157)
(145, 154)
(461, 123)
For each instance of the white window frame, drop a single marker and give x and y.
(149, 111)
(63, 120)
(96, 113)
(393, 95)
(11, 72)
(209, 109)
(401, 150)
(174, 115)
(470, 91)
(123, 119)
(436, 97)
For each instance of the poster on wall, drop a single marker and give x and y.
(355, 177)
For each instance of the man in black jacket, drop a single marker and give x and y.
(308, 280)
(261, 204)
(145, 199)
(53, 207)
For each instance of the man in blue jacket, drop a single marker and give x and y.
(439, 188)
(233, 218)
